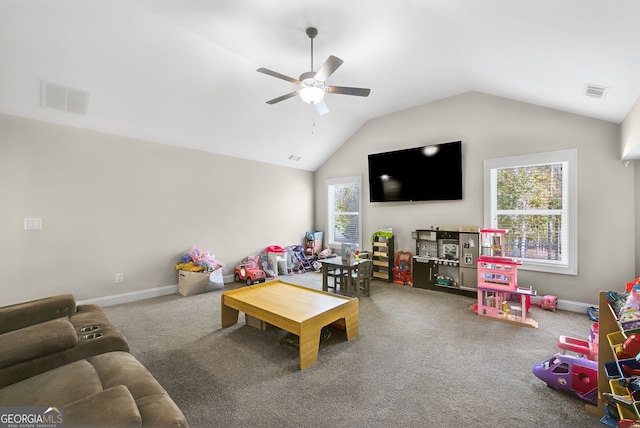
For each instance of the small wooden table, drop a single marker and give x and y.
(299, 310)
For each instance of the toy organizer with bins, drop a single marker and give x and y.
(498, 282)
(618, 377)
(313, 242)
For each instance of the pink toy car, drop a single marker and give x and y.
(549, 302)
(249, 272)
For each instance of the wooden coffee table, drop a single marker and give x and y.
(299, 310)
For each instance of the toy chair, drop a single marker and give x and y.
(361, 280)
(277, 259)
(339, 280)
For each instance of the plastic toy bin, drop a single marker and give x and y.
(612, 370)
(314, 235)
(624, 412)
(629, 367)
(498, 273)
(616, 339)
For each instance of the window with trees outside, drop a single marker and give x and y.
(534, 197)
(343, 211)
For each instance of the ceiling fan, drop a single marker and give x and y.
(312, 85)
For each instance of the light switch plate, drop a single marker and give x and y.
(33, 224)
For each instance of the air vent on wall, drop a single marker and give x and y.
(595, 91)
(63, 98)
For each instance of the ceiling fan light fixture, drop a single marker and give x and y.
(312, 94)
(311, 85)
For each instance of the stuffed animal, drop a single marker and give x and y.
(201, 259)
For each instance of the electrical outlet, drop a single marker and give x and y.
(119, 277)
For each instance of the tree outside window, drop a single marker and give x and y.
(534, 198)
(343, 210)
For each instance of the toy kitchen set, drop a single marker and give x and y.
(446, 259)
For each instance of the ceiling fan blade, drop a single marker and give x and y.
(278, 75)
(345, 90)
(330, 65)
(283, 97)
(322, 108)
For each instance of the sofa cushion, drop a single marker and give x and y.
(19, 315)
(82, 379)
(36, 341)
(113, 407)
(94, 335)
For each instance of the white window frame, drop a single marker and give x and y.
(569, 266)
(329, 237)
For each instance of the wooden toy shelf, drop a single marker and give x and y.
(607, 324)
(383, 252)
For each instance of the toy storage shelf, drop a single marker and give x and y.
(608, 328)
(383, 251)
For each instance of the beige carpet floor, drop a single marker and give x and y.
(422, 359)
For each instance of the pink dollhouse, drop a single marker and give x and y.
(498, 282)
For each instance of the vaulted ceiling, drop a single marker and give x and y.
(183, 72)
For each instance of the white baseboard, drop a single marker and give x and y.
(567, 305)
(138, 295)
(131, 296)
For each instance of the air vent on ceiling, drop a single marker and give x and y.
(63, 98)
(294, 158)
(595, 91)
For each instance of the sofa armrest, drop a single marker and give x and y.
(112, 407)
(36, 341)
(20, 315)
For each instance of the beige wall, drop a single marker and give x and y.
(492, 127)
(636, 167)
(630, 132)
(111, 204)
(629, 142)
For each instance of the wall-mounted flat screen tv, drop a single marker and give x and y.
(427, 173)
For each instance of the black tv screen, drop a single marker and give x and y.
(427, 173)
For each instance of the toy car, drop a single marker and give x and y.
(249, 272)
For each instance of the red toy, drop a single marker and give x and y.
(402, 271)
(630, 348)
(584, 348)
(249, 272)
